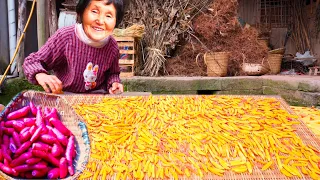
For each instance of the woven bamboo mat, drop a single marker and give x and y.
(302, 131)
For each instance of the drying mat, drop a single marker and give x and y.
(67, 116)
(301, 130)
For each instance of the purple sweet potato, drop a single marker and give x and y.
(54, 173)
(6, 162)
(26, 167)
(39, 118)
(33, 129)
(36, 135)
(63, 167)
(12, 146)
(24, 130)
(33, 161)
(6, 169)
(48, 139)
(1, 131)
(29, 175)
(58, 125)
(43, 163)
(52, 114)
(7, 131)
(70, 150)
(33, 108)
(18, 125)
(40, 173)
(5, 153)
(6, 140)
(44, 129)
(62, 138)
(71, 170)
(25, 136)
(41, 146)
(21, 159)
(1, 156)
(46, 111)
(50, 132)
(56, 150)
(29, 121)
(24, 147)
(46, 156)
(9, 124)
(20, 113)
(16, 139)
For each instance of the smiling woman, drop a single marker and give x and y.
(83, 57)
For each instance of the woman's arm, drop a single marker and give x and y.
(114, 71)
(49, 55)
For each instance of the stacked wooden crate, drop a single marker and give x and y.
(127, 55)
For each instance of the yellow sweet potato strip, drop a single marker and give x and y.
(173, 137)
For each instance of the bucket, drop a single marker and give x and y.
(217, 63)
(274, 61)
(67, 18)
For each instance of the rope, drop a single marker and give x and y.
(18, 45)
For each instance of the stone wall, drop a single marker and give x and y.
(296, 90)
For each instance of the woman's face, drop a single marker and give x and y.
(99, 20)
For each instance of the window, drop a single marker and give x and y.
(275, 13)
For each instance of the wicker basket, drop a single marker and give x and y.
(217, 63)
(252, 69)
(264, 42)
(274, 61)
(67, 116)
(278, 51)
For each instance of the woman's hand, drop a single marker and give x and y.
(1, 107)
(50, 83)
(116, 88)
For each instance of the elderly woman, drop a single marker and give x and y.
(83, 57)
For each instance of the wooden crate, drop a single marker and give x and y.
(127, 55)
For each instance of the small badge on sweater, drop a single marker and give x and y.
(90, 76)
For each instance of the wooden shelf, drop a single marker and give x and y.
(126, 47)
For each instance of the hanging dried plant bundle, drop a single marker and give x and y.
(135, 31)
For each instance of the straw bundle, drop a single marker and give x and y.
(135, 30)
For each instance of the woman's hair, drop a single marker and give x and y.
(118, 4)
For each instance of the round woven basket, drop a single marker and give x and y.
(68, 117)
(264, 42)
(252, 69)
(274, 61)
(217, 63)
(278, 51)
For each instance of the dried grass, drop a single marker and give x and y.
(218, 29)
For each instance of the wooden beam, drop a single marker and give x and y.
(41, 22)
(22, 20)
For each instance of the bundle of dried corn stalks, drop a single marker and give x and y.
(135, 31)
(300, 33)
(164, 21)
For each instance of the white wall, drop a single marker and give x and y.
(4, 40)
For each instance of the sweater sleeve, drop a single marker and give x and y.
(114, 71)
(48, 56)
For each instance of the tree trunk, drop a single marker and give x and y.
(52, 16)
(22, 15)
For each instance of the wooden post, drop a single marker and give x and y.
(41, 22)
(22, 14)
(52, 16)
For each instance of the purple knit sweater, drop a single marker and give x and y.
(80, 67)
